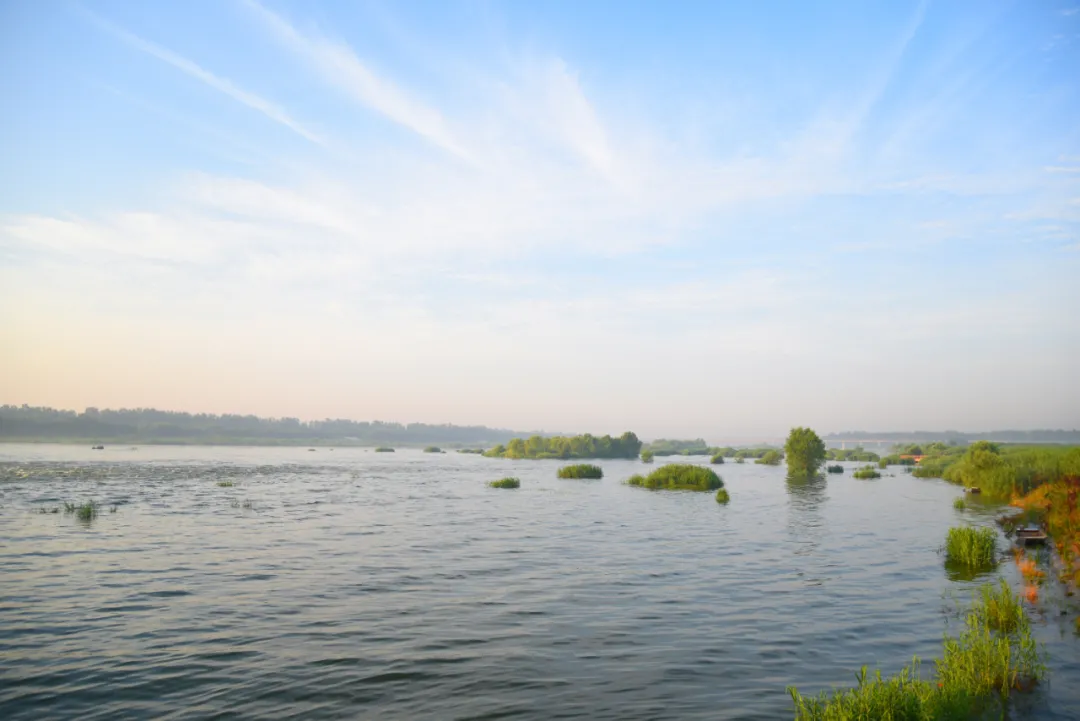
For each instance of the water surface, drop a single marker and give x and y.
(344, 583)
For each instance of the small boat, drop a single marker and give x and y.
(1030, 536)
(974, 490)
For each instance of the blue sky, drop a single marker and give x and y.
(708, 219)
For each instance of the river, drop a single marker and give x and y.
(346, 583)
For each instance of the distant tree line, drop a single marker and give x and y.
(956, 438)
(585, 446)
(149, 425)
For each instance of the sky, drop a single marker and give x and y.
(713, 219)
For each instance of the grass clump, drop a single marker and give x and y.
(432, 449)
(226, 484)
(679, 477)
(959, 503)
(84, 512)
(717, 459)
(771, 458)
(581, 470)
(722, 496)
(646, 456)
(506, 483)
(384, 449)
(994, 656)
(866, 473)
(971, 547)
(836, 468)
(740, 459)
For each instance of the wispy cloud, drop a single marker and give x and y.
(339, 66)
(220, 84)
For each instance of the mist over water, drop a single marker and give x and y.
(345, 584)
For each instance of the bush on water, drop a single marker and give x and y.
(506, 483)
(646, 456)
(581, 470)
(679, 477)
(717, 459)
(432, 449)
(971, 547)
(805, 452)
(771, 458)
(384, 449)
(722, 496)
(835, 468)
(866, 472)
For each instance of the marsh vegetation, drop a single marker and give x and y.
(506, 483)
(971, 547)
(581, 470)
(562, 447)
(679, 477)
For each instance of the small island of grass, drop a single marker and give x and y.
(971, 547)
(581, 470)
(722, 496)
(506, 483)
(433, 449)
(646, 456)
(866, 473)
(679, 477)
(837, 468)
(717, 459)
(384, 449)
(771, 458)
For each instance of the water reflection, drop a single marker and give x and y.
(806, 524)
(807, 492)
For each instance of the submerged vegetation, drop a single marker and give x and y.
(226, 484)
(433, 449)
(384, 449)
(971, 547)
(717, 459)
(83, 511)
(646, 456)
(475, 451)
(585, 446)
(506, 483)
(837, 468)
(679, 477)
(959, 503)
(722, 496)
(581, 470)
(804, 451)
(851, 454)
(866, 473)
(992, 657)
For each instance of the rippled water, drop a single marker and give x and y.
(345, 584)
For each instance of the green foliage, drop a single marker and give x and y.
(1000, 472)
(994, 655)
(722, 496)
(433, 449)
(805, 451)
(852, 454)
(717, 459)
(679, 477)
(581, 470)
(866, 473)
(585, 446)
(770, 458)
(740, 459)
(84, 512)
(666, 447)
(474, 451)
(646, 456)
(971, 547)
(384, 449)
(837, 468)
(226, 484)
(506, 483)
(959, 503)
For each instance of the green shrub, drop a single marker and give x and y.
(432, 449)
(384, 449)
(476, 451)
(679, 477)
(506, 483)
(717, 459)
(971, 547)
(226, 484)
(722, 496)
(581, 470)
(805, 452)
(866, 472)
(646, 456)
(958, 503)
(771, 458)
(835, 468)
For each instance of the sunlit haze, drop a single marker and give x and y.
(708, 220)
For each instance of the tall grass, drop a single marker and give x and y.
(581, 470)
(83, 511)
(722, 496)
(837, 468)
(971, 547)
(993, 656)
(866, 473)
(959, 503)
(679, 477)
(506, 483)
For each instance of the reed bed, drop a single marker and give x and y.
(581, 470)
(679, 477)
(506, 483)
(971, 547)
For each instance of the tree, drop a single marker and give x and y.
(805, 451)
